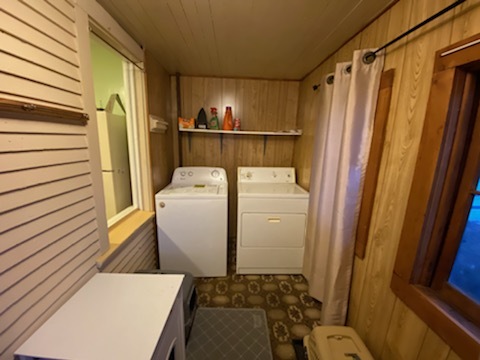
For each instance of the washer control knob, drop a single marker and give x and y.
(182, 173)
(161, 204)
(190, 173)
(215, 173)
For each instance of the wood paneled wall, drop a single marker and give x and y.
(389, 328)
(159, 104)
(261, 105)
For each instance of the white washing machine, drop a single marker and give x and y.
(192, 222)
(272, 216)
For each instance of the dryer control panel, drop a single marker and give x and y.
(266, 175)
(191, 175)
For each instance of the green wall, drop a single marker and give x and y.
(107, 74)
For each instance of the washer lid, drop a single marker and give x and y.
(197, 190)
(271, 190)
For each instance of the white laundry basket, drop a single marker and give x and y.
(335, 343)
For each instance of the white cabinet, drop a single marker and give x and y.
(114, 316)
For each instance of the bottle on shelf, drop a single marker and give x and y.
(213, 123)
(228, 119)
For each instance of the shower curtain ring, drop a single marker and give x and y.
(369, 57)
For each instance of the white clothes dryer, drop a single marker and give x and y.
(192, 222)
(271, 221)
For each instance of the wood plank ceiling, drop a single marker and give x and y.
(270, 39)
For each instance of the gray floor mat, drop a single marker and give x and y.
(234, 334)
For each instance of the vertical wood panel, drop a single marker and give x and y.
(409, 117)
(389, 328)
(467, 22)
(159, 104)
(453, 356)
(260, 105)
(433, 347)
(405, 336)
(399, 22)
(411, 100)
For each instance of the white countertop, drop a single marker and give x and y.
(113, 316)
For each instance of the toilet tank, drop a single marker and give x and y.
(335, 343)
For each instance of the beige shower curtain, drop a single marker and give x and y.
(342, 146)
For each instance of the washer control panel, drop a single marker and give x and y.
(199, 175)
(266, 175)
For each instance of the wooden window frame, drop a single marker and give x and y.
(461, 205)
(442, 151)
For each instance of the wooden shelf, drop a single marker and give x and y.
(243, 132)
(265, 135)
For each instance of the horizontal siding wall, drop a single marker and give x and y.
(38, 54)
(139, 254)
(48, 230)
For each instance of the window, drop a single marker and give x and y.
(437, 269)
(465, 274)
(115, 126)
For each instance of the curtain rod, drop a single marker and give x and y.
(370, 57)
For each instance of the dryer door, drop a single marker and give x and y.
(273, 230)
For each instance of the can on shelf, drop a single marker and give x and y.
(236, 124)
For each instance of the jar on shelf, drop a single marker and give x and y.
(236, 124)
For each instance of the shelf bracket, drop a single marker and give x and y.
(264, 144)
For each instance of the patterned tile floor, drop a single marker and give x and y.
(291, 313)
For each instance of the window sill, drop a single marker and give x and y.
(122, 233)
(459, 333)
